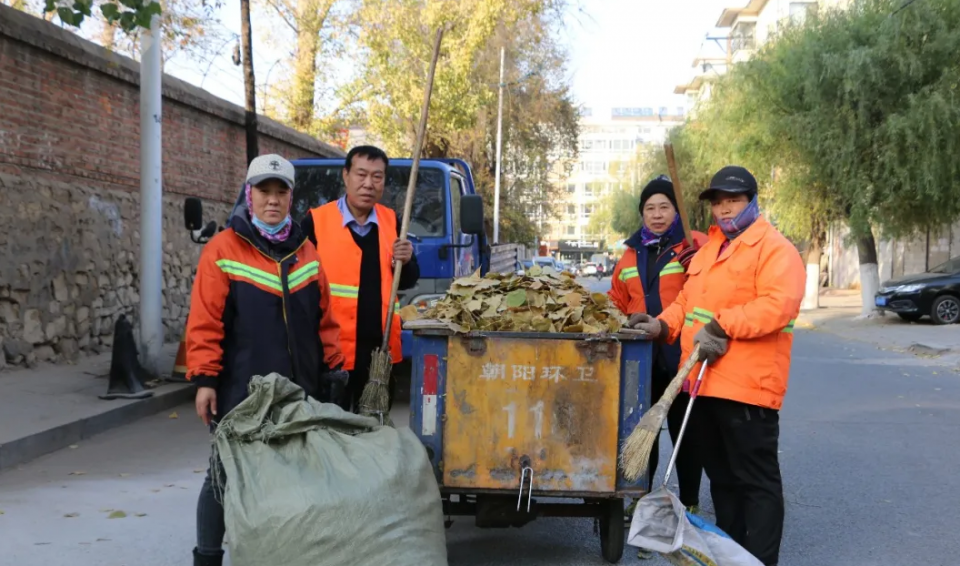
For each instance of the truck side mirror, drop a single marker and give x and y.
(193, 213)
(471, 214)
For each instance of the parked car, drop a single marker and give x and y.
(935, 293)
(523, 266)
(548, 264)
(588, 269)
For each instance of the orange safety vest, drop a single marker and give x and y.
(340, 257)
(753, 290)
(626, 289)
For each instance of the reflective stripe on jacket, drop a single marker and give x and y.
(753, 290)
(628, 293)
(253, 314)
(341, 257)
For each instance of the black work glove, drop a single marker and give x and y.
(333, 385)
(653, 327)
(713, 341)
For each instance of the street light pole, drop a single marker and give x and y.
(496, 182)
(151, 201)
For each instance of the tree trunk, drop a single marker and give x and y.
(869, 275)
(811, 294)
(249, 85)
(311, 15)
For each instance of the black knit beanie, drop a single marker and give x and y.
(659, 186)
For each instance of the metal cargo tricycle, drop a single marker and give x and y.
(525, 425)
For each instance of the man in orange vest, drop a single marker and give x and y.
(357, 241)
(740, 302)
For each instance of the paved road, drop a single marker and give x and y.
(869, 456)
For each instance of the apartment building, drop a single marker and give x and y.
(609, 141)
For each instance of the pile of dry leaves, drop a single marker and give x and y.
(536, 302)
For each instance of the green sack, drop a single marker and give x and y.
(309, 484)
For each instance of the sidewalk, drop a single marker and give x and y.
(838, 313)
(51, 407)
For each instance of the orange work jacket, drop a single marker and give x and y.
(340, 257)
(626, 287)
(753, 290)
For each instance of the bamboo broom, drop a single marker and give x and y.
(375, 400)
(635, 456)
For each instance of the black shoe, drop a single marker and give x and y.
(207, 560)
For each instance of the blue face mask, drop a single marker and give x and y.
(267, 228)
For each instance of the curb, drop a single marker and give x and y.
(23, 450)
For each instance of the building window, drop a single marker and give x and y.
(571, 188)
(743, 36)
(680, 111)
(586, 145)
(571, 230)
(571, 209)
(587, 210)
(664, 111)
(800, 10)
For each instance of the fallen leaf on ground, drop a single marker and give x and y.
(1, 512)
(199, 471)
(141, 514)
(174, 416)
(107, 510)
(78, 473)
(41, 543)
(74, 446)
(155, 490)
(124, 475)
(71, 515)
(117, 515)
(102, 540)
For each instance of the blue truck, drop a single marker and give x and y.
(446, 222)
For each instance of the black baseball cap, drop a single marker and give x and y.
(731, 179)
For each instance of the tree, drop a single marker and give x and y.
(857, 114)
(540, 119)
(127, 14)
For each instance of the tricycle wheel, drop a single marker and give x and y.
(611, 530)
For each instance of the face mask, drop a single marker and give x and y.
(733, 227)
(268, 229)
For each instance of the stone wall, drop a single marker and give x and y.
(69, 188)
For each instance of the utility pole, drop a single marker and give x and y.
(496, 182)
(151, 201)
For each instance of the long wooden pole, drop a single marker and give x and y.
(412, 185)
(678, 190)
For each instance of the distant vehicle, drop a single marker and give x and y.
(523, 266)
(588, 269)
(935, 293)
(547, 263)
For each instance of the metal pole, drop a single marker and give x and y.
(496, 185)
(151, 201)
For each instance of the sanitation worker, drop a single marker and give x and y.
(357, 238)
(260, 304)
(647, 279)
(740, 302)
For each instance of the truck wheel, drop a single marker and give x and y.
(611, 530)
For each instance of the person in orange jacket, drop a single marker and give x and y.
(357, 238)
(260, 304)
(740, 303)
(647, 279)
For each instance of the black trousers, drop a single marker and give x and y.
(689, 469)
(360, 375)
(738, 444)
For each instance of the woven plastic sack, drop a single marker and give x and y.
(661, 524)
(309, 484)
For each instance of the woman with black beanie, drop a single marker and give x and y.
(647, 279)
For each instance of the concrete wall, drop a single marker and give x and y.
(896, 257)
(69, 183)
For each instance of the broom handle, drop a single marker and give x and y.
(412, 185)
(678, 190)
(683, 427)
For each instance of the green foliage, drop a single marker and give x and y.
(540, 121)
(127, 14)
(854, 115)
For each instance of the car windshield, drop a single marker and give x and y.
(544, 262)
(320, 184)
(952, 266)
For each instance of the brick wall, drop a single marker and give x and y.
(69, 187)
